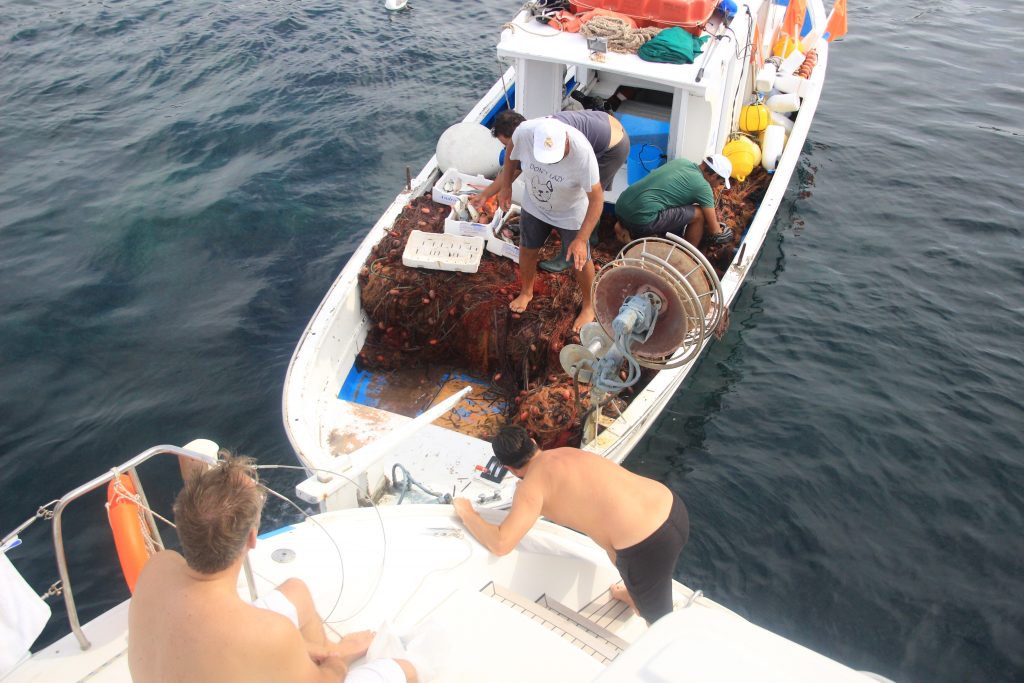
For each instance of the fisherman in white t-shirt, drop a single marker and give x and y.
(563, 193)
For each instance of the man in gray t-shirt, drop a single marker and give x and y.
(606, 136)
(563, 193)
(603, 131)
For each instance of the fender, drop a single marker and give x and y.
(126, 523)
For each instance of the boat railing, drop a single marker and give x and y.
(184, 455)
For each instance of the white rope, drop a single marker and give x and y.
(121, 492)
(622, 38)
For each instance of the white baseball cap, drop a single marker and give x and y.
(720, 164)
(549, 141)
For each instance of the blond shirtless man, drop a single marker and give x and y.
(640, 523)
(186, 621)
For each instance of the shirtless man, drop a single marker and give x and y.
(186, 621)
(563, 193)
(640, 523)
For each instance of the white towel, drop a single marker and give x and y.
(23, 614)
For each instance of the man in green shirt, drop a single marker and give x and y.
(674, 198)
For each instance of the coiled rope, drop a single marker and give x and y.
(122, 493)
(622, 38)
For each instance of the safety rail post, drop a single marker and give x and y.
(154, 532)
(68, 498)
(249, 580)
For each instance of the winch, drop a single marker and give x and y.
(654, 306)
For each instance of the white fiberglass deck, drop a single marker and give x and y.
(540, 613)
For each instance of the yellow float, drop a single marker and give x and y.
(744, 154)
(785, 45)
(753, 118)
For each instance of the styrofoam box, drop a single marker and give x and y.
(440, 251)
(466, 183)
(498, 246)
(454, 226)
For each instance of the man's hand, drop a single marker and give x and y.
(477, 200)
(505, 198)
(325, 658)
(578, 253)
(462, 507)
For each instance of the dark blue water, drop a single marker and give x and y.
(181, 182)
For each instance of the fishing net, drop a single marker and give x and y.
(736, 208)
(421, 316)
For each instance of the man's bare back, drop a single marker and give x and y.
(184, 627)
(641, 524)
(596, 497)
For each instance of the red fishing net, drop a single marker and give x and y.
(423, 316)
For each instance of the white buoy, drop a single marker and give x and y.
(781, 120)
(788, 84)
(791, 63)
(771, 147)
(765, 78)
(395, 5)
(783, 103)
(470, 148)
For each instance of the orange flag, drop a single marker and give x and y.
(836, 25)
(793, 22)
(757, 54)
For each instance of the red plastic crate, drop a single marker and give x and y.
(686, 13)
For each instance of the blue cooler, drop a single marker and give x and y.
(648, 142)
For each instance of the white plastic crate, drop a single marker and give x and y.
(439, 251)
(453, 226)
(460, 183)
(496, 245)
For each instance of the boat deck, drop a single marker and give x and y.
(410, 391)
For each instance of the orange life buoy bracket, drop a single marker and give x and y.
(126, 523)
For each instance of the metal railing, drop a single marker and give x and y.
(128, 468)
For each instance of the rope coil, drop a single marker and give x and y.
(622, 38)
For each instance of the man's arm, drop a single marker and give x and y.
(710, 220)
(500, 540)
(502, 185)
(578, 247)
(290, 658)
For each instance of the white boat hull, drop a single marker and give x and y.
(314, 415)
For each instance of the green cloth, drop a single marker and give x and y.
(677, 183)
(672, 46)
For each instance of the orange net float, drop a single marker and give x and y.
(126, 524)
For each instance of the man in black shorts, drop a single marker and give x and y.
(639, 522)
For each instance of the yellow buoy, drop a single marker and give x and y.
(753, 118)
(784, 45)
(744, 154)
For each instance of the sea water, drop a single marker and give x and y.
(181, 182)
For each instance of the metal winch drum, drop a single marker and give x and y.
(654, 305)
(684, 281)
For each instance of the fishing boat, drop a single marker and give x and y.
(414, 572)
(410, 432)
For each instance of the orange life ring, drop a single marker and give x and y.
(123, 514)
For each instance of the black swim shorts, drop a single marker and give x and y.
(674, 219)
(647, 567)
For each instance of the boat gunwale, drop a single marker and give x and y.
(618, 439)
